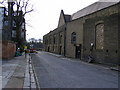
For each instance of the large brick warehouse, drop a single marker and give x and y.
(92, 32)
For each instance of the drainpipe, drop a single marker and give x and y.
(65, 40)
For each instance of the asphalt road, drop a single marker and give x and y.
(59, 72)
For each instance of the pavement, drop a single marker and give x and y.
(18, 73)
(111, 67)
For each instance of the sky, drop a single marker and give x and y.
(46, 14)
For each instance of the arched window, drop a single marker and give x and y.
(60, 39)
(50, 41)
(54, 39)
(73, 38)
(100, 36)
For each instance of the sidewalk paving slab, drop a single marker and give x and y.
(17, 79)
(17, 74)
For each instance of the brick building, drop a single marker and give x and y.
(54, 41)
(90, 32)
(7, 47)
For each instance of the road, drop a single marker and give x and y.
(60, 72)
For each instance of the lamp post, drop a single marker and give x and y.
(90, 58)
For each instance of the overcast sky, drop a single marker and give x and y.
(46, 15)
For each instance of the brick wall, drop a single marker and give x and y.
(77, 27)
(110, 52)
(8, 49)
(55, 46)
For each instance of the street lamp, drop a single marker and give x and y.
(91, 44)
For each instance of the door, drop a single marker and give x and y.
(48, 49)
(60, 52)
(78, 51)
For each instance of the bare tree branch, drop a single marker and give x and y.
(23, 5)
(29, 25)
(25, 8)
(19, 2)
(3, 3)
(28, 12)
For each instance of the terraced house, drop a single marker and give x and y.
(92, 32)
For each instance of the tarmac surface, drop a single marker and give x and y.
(48, 70)
(55, 71)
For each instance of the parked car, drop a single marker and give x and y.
(32, 50)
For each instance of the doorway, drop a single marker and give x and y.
(78, 51)
(48, 49)
(60, 52)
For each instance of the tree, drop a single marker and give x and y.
(19, 5)
(40, 40)
(24, 7)
(17, 9)
(32, 40)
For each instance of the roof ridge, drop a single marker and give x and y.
(96, 6)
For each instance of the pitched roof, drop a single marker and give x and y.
(67, 18)
(92, 8)
(64, 18)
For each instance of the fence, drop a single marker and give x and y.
(8, 49)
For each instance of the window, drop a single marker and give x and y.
(54, 40)
(22, 34)
(50, 41)
(14, 24)
(13, 33)
(73, 38)
(6, 23)
(60, 39)
(47, 41)
(23, 25)
(99, 36)
(2, 11)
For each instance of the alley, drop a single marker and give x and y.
(60, 72)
